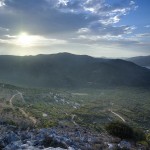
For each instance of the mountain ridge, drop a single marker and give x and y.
(69, 70)
(140, 60)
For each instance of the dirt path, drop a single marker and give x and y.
(21, 96)
(72, 119)
(27, 116)
(21, 109)
(118, 115)
(11, 99)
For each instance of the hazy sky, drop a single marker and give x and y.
(110, 28)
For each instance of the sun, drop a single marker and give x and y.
(24, 40)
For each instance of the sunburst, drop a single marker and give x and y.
(25, 40)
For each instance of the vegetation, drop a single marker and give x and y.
(124, 131)
(120, 129)
(90, 108)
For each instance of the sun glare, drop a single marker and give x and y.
(24, 40)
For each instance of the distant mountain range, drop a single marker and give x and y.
(141, 60)
(65, 70)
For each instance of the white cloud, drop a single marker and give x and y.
(129, 29)
(2, 3)
(99, 38)
(96, 7)
(132, 3)
(110, 20)
(83, 30)
(147, 26)
(63, 2)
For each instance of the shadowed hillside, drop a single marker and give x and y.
(141, 60)
(68, 70)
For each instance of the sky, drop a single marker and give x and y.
(100, 28)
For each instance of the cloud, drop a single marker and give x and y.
(99, 29)
(63, 2)
(83, 30)
(147, 26)
(132, 3)
(71, 23)
(61, 15)
(2, 3)
(110, 20)
(4, 29)
(34, 41)
(143, 35)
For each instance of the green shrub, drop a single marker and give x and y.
(120, 130)
(139, 135)
(144, 143)
(7, 109)
(11, 122)
(148, 138)
(47, 124)
(124, 131)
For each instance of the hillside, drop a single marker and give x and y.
(68, 70)
(35, 119)
(141, 60)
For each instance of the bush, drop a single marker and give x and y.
(148, 138)
(47, 124)
(139, 135)
(7, 109)
(120, 130)
(124, 131)
(144, 143)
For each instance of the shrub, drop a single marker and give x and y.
(47, 124)
(144, 143)
(120, 130)
(139, 135)
(148, 138)
(124, 131)
(7, 109)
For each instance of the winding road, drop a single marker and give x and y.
(72, 119)
(21, 109)
(118, 115)
(10, 101)
(27, 116)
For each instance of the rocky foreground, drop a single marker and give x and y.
(58, 138)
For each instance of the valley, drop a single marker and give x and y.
(85, 107)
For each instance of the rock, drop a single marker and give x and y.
(24, 146)
(36, 143)
(115, 140)
(2, 145)
(25, 135)
(10, 137)
(51, 142)
(124, 144)
(13, 146)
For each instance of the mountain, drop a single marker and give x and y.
(141, 60)
(68, 70)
